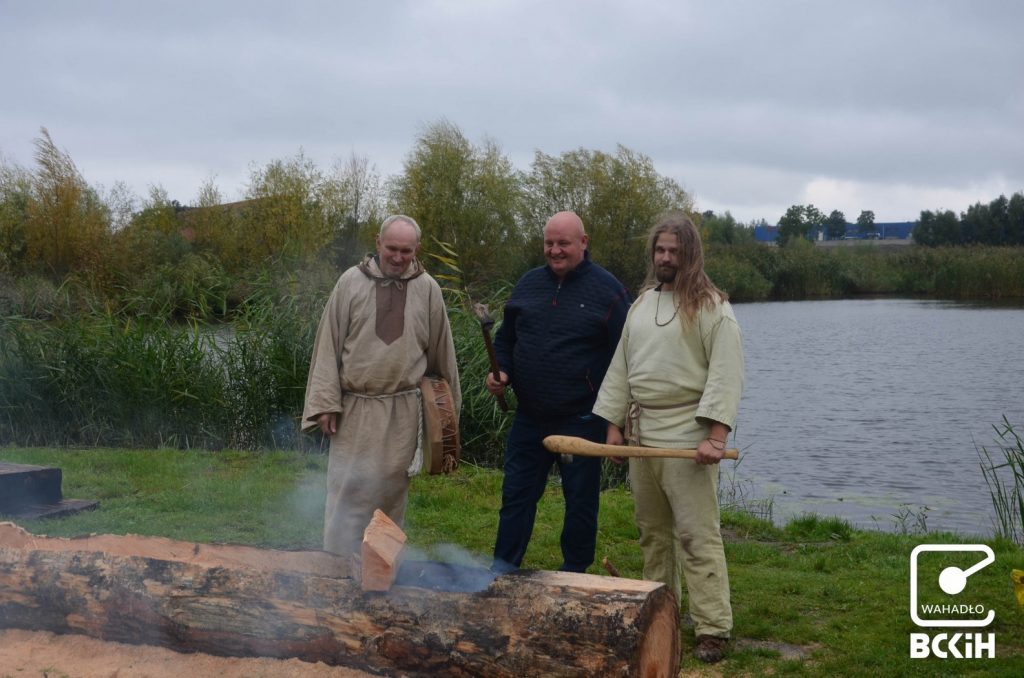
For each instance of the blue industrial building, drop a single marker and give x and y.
(886, 230)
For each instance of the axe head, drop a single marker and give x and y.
(486, 321)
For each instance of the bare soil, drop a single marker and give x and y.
(40, 654)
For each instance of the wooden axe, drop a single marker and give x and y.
(586, 448)
(486, 323)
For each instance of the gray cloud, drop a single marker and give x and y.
(752, 106)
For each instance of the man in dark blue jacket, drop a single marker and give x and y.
(560, 329)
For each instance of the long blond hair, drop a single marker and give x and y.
(692, 286)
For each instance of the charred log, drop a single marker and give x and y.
(240, 601)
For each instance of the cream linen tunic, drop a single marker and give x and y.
(357, 374)
(701, 363)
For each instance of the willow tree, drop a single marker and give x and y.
(287, 214)
(619, 197)
(66, 223)
(153, 235)
(354, 197)
(468, 199)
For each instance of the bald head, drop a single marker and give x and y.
(566, 220)
(565, 242)
(397, 244)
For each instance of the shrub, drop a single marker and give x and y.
(739, 278)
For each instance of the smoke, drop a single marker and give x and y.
(306, 501)
(444, 567)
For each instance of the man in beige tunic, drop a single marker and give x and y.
(384, 327)
(675, 382)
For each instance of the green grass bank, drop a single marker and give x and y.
(813, 598)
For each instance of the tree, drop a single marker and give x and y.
(999, 213)
(286, 215)
(66, 223)
(791, 225)
(469, 198)
(214, 230)
(835, 225)
(15, 195)
(1015, 220)
(718, 229)
(354, 208)
(121, 204)
(154, 235)
(935, 229)
(866, 224)
(815, 220)
(987, 224)
(799, 222)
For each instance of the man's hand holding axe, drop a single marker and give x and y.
(496, 380)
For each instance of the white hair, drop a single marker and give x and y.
(401, 217)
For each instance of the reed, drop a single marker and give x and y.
(802, 271)
(1004, 476)
(483, 426)
(102, 379)
(108, 379)
(96, 380)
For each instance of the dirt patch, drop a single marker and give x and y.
(39, 654)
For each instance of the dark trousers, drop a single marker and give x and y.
(527, 465)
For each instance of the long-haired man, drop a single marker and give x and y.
(675, 382)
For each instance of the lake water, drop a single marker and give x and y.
(874, 409)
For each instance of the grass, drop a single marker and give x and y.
(838, 595)
(1005, 481)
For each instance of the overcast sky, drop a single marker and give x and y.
(892, 106)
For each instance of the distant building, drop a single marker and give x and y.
(894, 229)
(884, 230)
(881, 230)
(766, 233)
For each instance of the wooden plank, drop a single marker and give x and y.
(382, 546)
(23, 484)
(65, 507)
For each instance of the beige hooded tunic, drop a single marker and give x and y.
(377, 338)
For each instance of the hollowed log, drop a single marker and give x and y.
(242, 601)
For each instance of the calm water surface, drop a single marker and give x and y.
(869, 409)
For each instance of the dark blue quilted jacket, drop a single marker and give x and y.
(557, 338)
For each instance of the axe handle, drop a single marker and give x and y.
(494, 365)
(586, 448)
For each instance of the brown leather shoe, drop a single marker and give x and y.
(710, 649)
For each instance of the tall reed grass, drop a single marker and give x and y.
(97, 380)
(1005, 479)
(483, 425)
(103, 379)
(752, 272)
